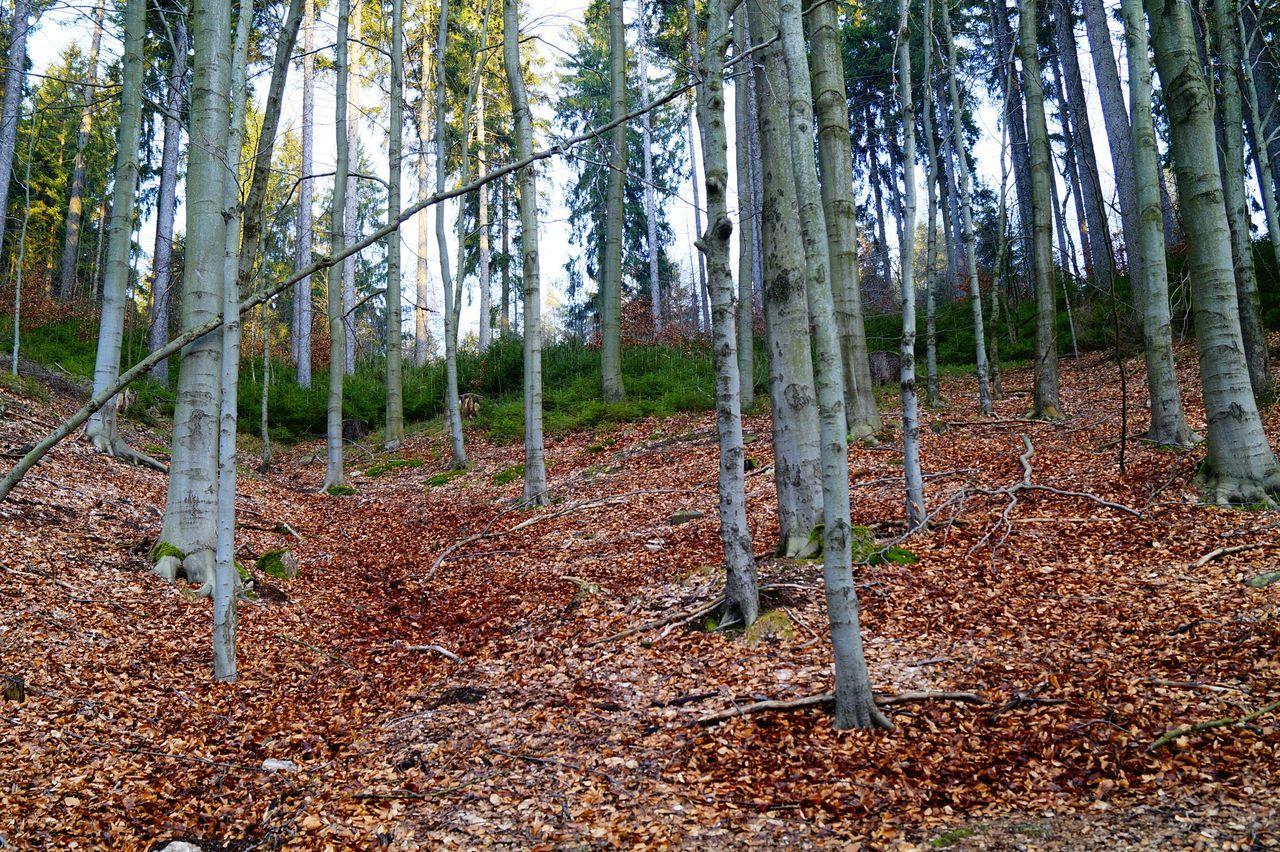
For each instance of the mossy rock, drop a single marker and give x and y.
(163, 549)
(1263, 580)
(685, 517)
(774, 624)
(388, 465)
(866, 551)
(280, 564)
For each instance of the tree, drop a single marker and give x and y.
(334, 476)
(1046, 367)
(75, 203)
(453, 410)
(166, 202)
(650, 194)
(394, 433)
(611, 270)
(1240, 466)
(14, 80)
(931, 176)
(306, 193)
(748, 174)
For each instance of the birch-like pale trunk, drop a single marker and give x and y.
(748, 214)
(932, 395)
(701, 291)
(102, 430)
(1147, 262)
(482, 223)
(1240, 466)
(916, 511)
(1047, 404)
(421, 327)
(650, 194)
(166, 200)
(453, 410)
(14, 80)
(1230, 105)
(393, 435)
(191, 505)
(741, 595)
(797, 469)
(535, 467)
(836, 161)
(966, 212)
(264, 433)
(67, 287)
(504, 319)
(306, 194)
(335, 476)
(855, 704)
(611, 268)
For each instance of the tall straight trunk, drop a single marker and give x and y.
(504, 318)
(14, 81)
(1258, 145)
(748, 215)
(394, 433)
(836, 160)
(75, 202)
(1147, 254)
(701, 293)
(1015, 120)
(797, 469)
(535, 468)
(306, 193)
(421, 328)
(453, 411)
(22, 252)
(1047, 404)
(482, 224)
(191, 504)
(1075, 190)
(335, 475)
(166, 201)
(741, 595)
(350, 231)
(876, 176)
(226, 580)
(1116, 121)
(264, 433)
(1082, 147)
(932, 396)
(855, 705)
(916, 511)
(1226, 23)
(1240, 466)
(1264, 66)
(966, 211)
(611, 272)
(650, 196)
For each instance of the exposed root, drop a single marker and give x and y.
(117, 448)
(1228, 491)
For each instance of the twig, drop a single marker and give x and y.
(826, 698)
(1220, 552)
(285, 527)
(44, 576)
(1195, 684)
(1227, 722)
(435, 649)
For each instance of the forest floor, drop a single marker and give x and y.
(1089, 631)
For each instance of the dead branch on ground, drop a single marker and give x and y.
(826, 698)
(1226, 722)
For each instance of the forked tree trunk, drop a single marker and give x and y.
(535, 468)
(611, 271)
(741, 596)
(75, 203)
(335, 475)
(394, 433)
(1240, 466)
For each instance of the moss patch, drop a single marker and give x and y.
(444, 478)
(163, 549)
(388, 465)
(340, 490)
(866, 551)
(951, 837)
(509, 474)
(272, 563)
(774, 624)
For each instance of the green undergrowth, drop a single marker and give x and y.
(388, 465)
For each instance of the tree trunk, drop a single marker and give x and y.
(743, 98)
(482, 223)
(1264, 66)
(700, 294)
(1014, 119)
(836, 161)
(650, 196)
(22, 251)
(1258, 144)
(1046, 366)
(350, 231)
(14, 81)
(75, 203)
(966, 212)
(1231, 113)
(797, 467)
(453, 411)
(306, 191)
(166, 201)
(504, 320)
(932, 396)
(611, 271)
(335, 476)
(421, 328)
(394, 433)
(1240, 466)
(855, 705)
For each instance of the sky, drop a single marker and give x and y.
(550, 22)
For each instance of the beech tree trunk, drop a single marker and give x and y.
(611, 268)
(650, 196)
(75, 203)
(1015, 120)
(1258, 144)
(453, 411)
(1240, 466)
(335, 475)
(394, 433)
(482, 222)
(306, 193)
(166, 201)
(14, 80)
(421, 327)
(748, 164)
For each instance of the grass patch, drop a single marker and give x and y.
(951, 837)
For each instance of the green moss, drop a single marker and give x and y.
(24, 386)
(340, 490)
(951, 837)
(388, 465)
(246, 579)
(774, 624)
(163, 549)
(444, 477)
(510, 474)
(271, 563)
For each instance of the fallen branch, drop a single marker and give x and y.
(1218, 553)
(435, 649)
(1227, 722)
(826, 698)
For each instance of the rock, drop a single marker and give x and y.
(774, 624)
(180, 846)
(1263, 580)
(281, 564)
(685, 517)
(886, 367)
(272, 764)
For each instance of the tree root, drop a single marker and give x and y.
(826, 699)
(1226, 722)
(117, 448)
(1218, 553)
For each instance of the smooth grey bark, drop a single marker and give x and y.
(1014, 118)
(482, 224)
(1264, 66)
(351, 234)
(650, 196)
(264, 433)
(504, 319)
(75, 202)
(746, 151)
(1240, 466)
(335, 476)
(835, 158)
(611, 268)
(22, 253)
(166, 200)
(797, 469)
(306, 195)
(916, 510)
(932, 395)
(698, 260)
(14, 81)
(421, 329)
(1258, 144)
(393, 435)
(741, 595)
(1147, 254)
(1046, 403)
(855, 704)
(1226, 22)
(966, 213)
(453, 410)
(535, 468)
(192, 501)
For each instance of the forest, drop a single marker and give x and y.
(639, 423)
